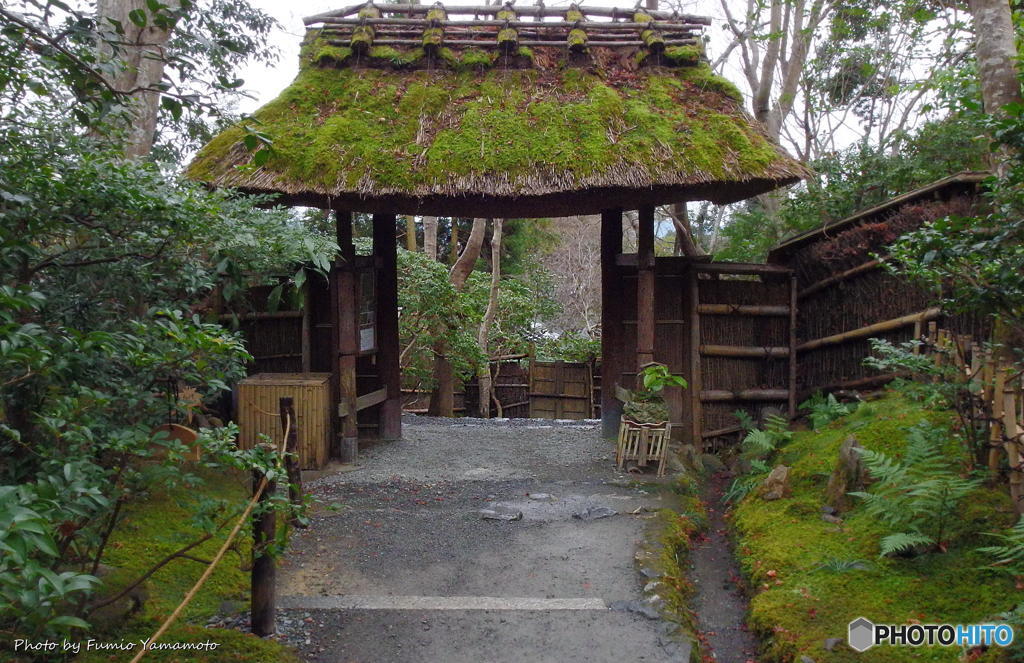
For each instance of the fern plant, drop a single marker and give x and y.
(757, 448)
(1009, 557)
(823, 410)
(917, 496)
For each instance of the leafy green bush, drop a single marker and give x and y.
(917, 496)
(647, 405)
(823, 410)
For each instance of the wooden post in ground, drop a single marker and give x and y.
(645, 288)
(347, 347)
(696, 375)
(290, 427)
(307, 325)
(611, 322)
(389, 370)
(264, 569)
(792, 347)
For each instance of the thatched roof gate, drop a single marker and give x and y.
(497, 111)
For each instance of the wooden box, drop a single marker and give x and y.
(258, 404)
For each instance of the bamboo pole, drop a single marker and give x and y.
(743, 310)
(484, 43)
(841, 276)
(878, 327)
(1011, 435)
(620, 26)
(696, 366)
(722, 395)
(289, 422)
(526, 10)
(995, 430)
(751, 351)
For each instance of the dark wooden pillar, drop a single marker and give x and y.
(385, 253)
(696, 369)
(347, 340)
(612, 349)
(645, 288)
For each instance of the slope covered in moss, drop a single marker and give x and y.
(150, 531)
(801, 568)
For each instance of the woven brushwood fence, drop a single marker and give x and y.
(846, 295)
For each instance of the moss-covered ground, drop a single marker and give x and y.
(799, 565)
(149, 532)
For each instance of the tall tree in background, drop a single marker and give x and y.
(430, 236)
(136, 51)
(442, 398)
(484, 372)
(996, 54)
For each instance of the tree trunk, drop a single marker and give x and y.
(484, 374)
(142, 55)
(410, 233)
(996, 53)
(430, 236)
(442, 399)
(684, 244)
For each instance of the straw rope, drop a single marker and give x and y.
(220, 554)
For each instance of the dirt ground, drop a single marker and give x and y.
(408, 569)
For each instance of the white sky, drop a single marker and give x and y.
(266, 82)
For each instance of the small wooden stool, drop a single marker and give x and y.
(642, 442)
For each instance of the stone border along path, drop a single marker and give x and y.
(407, 568)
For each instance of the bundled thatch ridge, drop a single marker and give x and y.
(487, 131)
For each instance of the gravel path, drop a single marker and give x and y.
(406, 568)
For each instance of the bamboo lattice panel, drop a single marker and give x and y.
(258, 405)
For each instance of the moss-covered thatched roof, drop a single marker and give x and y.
(511, 130)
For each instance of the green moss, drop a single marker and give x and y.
(683, 55)
(328, 56)
(433, 36)
(574, 14)
(783, 544)
(508, 35)
(153, 529)
(396, 57)
(525, 52)
(233, 646)
(372, 128)
(708, 81)
(577, 37)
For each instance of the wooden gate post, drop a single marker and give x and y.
(389, 371)
(347, 341)
(612, 349)
(645, 288)
(262, 614)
